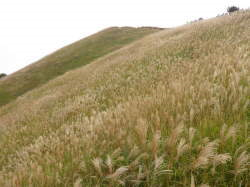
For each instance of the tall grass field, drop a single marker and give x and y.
(169, 109)
(68, 58)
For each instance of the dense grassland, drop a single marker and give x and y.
(68, 58)
(171, 109)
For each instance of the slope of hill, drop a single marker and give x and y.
(68, 58)
(171, 109)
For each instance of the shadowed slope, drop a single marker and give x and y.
(68, 58)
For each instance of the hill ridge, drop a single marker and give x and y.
(67, 58)
(169, 109)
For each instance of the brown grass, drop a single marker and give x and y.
(152, 113)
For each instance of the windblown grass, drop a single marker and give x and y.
(169, 110)
(70, 57)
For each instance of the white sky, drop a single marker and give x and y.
(31, 29)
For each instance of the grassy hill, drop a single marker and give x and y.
(171, 109)
(68, 58)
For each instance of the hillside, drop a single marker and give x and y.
(171, 109)
(68, 58)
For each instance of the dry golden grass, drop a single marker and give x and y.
(169, 110)
(68, 58)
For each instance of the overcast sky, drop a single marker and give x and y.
(31, 29)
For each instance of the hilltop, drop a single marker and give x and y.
(170, 109)
(68, 58)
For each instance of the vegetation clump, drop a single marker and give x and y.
(232, 9)
(2, 75)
